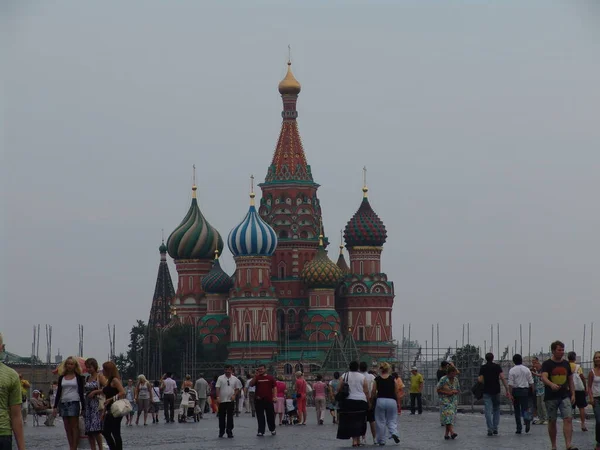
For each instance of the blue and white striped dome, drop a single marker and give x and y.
(253, 236)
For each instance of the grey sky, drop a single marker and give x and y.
(478, 124)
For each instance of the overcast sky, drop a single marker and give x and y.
(479, 125)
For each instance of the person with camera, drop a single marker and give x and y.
(266, 394)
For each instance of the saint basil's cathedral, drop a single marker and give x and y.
(287, 301)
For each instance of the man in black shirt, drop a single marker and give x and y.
(560, 393)
(442, 370)
(490, 375)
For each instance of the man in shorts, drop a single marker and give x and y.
(559, 394)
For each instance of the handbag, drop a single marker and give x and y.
(344, 392)
(101, 397)
(121, 408)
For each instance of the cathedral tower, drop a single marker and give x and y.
(192, 245)
(368, 295)
(290, 205)
(253, 301)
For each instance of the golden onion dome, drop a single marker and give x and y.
(289, 85)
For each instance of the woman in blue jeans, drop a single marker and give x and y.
(387, 394)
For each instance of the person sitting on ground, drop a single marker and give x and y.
(41, 409)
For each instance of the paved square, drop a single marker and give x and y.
(416, 432)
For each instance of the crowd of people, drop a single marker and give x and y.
(359, 400)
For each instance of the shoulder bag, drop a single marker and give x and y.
(121, 408)
(344, 392)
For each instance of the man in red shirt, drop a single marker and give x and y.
(265, 396)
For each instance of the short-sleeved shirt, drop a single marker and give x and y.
(227, 387)
(319, 389)
(491, 378)
(250, 388)
(415, 382)
(264, 387)
(301, 386)
(540, 387)
(201, 387)
(281, 387)
(10, 395)
(558, 373)
(170, 386)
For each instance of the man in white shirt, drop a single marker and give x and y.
(521, 382)
(228, 386)
(169, 387)
(203, 390)
(363, 368)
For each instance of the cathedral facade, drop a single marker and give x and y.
(287, 300)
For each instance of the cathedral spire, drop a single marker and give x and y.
(289, 161)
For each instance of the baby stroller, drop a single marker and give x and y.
(189, 406)
(290, 417)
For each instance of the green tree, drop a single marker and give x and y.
(468, 361)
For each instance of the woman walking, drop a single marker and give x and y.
(301, 397)
(113, 391)
(319, 392)
(130, 395)
(92, 415)
(594, 394)
(332, 389)
(155, 401)
(142, 398)
(448, 388)
(280, 402)
(69, 398)
(386, 395)
(353, 410)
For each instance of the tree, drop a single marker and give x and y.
(468, 361)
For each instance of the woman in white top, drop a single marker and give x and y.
(69, 398)
(594, 394)
(353, 410)
(143, 389)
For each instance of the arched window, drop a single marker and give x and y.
(291, 317)
(299, 368)
(287, 369)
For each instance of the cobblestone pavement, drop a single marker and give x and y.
(416, 432)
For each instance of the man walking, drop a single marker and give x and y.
(203, 389)
(265, 395)
(11, 420)
(416, 390)
(560, 393)
(370, 379)
(580, 389)
(228, 386)
(540, 387)
(521, 382)
(490, 375)
(169, 387)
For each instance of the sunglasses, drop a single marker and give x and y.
(228, 383)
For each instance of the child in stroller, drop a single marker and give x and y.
(291, 413)
(189, 406)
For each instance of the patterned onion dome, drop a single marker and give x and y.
(365, 228)
(253, 236)
(216, 281)
(321, 272)
(162, 248)
(194, 238)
